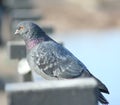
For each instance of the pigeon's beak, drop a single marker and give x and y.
(16, 32)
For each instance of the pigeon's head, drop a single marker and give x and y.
(28, 30)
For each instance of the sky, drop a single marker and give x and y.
(100, 52)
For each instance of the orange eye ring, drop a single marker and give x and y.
(21, 27)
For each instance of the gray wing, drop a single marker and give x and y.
(56, 61)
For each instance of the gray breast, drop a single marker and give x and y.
(34, 66)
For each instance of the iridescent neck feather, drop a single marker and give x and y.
(33, 42)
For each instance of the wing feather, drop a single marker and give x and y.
(57, 61)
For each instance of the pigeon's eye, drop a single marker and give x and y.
(21, 28)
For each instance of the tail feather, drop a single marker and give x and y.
(101, 98)
(101, 86)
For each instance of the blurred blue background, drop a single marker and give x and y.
(100, 52)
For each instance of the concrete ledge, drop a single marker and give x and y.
(62, 92)
(16, 49)
(25, 14)
(43, 85)
(22, 4)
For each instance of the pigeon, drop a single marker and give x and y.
(51, 60)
